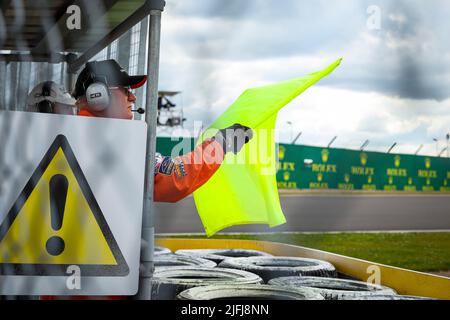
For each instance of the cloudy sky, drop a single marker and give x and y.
(392, 86)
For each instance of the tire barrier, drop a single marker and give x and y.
(173, 260)
(161, 250)
(388, 297)
(166, 284)
(248, 292)
(274, 267)
(218, 255)
(332, 288)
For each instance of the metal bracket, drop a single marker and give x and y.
(140, 14)
(156, 4)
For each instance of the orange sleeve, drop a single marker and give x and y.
(178, 177)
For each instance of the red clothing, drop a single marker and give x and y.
(178, 177)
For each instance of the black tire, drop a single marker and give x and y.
(161, 250)
(167, 283)
(172, 260)
(332, 288)
(274, 267)
(218, 255)
(248, 292)
(388, 297)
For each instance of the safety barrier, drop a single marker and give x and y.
(405, 282)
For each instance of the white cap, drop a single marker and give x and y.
(57, 94)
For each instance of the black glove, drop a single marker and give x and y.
(233, 138)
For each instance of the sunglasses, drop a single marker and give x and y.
(126, 90)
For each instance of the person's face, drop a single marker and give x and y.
(122, 100)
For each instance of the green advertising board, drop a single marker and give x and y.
(175, 146)
(307, 167)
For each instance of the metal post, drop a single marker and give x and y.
(15, 84)
(70, 73)
(62, 76)
(23, 85)
(71, 81)
(331, 142)
(364, 145)
(448, 138)
(8, 86)
(140, 92)
(418, 149)
(437, 146)
(123, 50)
(3, 85)
(296, 138)
(290, 125)
(392, 147)
(148, 229)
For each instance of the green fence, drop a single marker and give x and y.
(306, 167)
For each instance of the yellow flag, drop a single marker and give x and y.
(244, 189)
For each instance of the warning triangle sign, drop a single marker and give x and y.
(56, 222)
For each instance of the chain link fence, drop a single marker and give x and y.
(17, 79)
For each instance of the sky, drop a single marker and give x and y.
(393, 84)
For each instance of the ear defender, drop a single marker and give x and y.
(46, 106)
(98, 96)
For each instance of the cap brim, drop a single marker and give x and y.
(136, 81)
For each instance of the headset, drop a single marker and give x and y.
(98, 96)
(46, 106)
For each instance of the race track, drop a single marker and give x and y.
(328, 213)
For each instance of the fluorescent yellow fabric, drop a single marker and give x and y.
(244, 189)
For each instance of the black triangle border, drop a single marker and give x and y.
(89, 270)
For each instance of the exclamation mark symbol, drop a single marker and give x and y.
(58, 194)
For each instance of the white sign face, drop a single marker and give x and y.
(71, 199)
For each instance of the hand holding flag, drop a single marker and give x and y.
(233, 138)
(250, 169)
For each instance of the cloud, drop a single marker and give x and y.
(401, 59)
(323, 112)
(396, 79)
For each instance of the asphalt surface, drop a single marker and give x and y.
(327, 213)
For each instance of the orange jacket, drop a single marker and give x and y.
(176, 178)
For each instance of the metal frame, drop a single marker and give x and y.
(153, 9)
(28, 57)
(148, 229)
(137, 16)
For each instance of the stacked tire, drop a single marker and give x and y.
(219, 255)
(274, 267)
(167, 283)
(208, 274)
(245, 292)
(256, 267)
(388, 297)
(334, 289)
(161, 251)
(165, 261)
